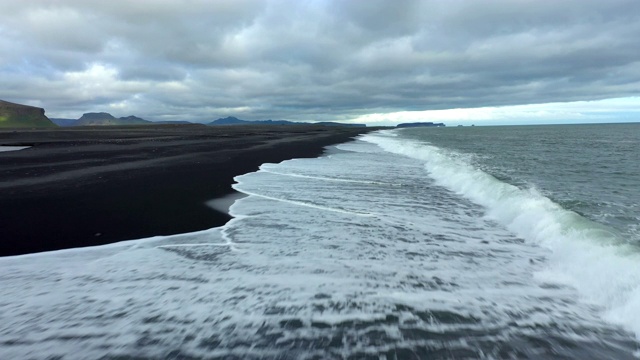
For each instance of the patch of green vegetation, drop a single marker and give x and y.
(17, 120)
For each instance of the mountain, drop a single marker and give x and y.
(17, 115)
(64, 122)
(106, 119)
(230, 120)
(134, 120)
(175, 122)
(235, 121)
(420, 124)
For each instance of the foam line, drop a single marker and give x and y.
(300, 203)
(328, 178)
(586, 255)
(191, 245)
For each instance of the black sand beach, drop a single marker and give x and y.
(90, 186)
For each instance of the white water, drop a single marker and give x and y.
(357, 254)
(585, 255)
(13, 148)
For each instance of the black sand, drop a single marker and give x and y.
(90, 186)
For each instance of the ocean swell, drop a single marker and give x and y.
(586, 255)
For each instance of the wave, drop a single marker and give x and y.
(586, 255)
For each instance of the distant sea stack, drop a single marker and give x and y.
(420, 124)
(106, 119)
(22, 116)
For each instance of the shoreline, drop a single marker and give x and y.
(94, 186)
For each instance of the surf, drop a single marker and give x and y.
(588, 256)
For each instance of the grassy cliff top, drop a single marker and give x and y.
(21, 116)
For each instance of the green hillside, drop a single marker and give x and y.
(22, 116)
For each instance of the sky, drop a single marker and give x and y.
(373, 61)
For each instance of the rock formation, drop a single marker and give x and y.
(22, 116)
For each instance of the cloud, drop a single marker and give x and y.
(580, 112)
(313, 60)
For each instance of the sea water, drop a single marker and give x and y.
(13, 148)
(475, 242)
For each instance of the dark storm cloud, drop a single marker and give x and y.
(313, 59)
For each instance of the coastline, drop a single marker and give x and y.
(93, 186)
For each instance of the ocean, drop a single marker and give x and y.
(512, 242)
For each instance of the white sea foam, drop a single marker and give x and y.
(322, 178)
(586, 255)
(299, 272)
(222, 204)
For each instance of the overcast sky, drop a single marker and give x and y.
(352, 60)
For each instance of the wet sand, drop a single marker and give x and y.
(88, 186)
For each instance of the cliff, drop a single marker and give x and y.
(21, 116)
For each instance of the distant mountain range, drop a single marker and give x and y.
(420, 124)
(235, 121)
(106, 119)
(16, 115)
(20, 116)
(64, 122)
